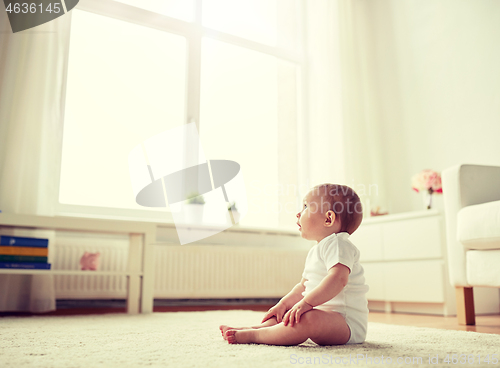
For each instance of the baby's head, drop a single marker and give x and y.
(328, 209)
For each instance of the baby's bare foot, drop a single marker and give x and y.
(230, 336)
(224, 328)
(239, 336)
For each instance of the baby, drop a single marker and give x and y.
(329, 304)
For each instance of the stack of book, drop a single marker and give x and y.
(24, 253)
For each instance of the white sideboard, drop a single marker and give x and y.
(404, 258)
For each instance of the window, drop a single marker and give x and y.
(137, 68)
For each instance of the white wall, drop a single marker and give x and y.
(436, 83)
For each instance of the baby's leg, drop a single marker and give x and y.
(270, 322)
(321, 326)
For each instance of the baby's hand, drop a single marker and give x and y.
(293, 315)
(278, 310)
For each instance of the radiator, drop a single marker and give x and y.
(226, 272)
(181, 272)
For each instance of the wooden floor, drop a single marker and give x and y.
(484, 324)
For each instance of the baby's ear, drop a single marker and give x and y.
(330, 218)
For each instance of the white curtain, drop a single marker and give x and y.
(324, 120)
(344, 136)
(32, 64)
(361, 116)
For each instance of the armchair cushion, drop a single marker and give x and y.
(483, 267)
(465, 186)
(479, 226)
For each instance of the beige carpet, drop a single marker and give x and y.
(192, 339)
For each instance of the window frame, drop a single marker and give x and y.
(193, 32)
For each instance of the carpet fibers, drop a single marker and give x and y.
(192, 339)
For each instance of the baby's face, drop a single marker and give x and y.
(314, 218)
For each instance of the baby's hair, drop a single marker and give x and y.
(344, 202)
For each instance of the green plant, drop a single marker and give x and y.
(195, 198)
(232, 207)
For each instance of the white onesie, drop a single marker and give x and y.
(351, 302)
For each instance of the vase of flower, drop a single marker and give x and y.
(428, 182)
(427, 196)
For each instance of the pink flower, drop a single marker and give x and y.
(428, 180)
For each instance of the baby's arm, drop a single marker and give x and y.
(295, 295)
(329, 287)
(287, 302)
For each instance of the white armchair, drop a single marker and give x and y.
(472, 208)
